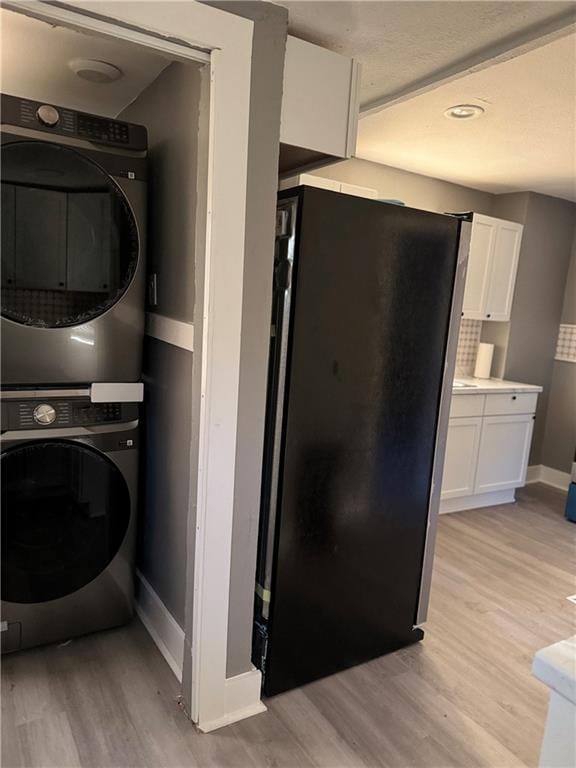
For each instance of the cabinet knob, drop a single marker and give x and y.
(488, 315)
(513, 397)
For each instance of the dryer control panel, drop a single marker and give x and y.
(58, 412)
(50, 118)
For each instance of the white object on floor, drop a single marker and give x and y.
(555, 666)
(484, 361)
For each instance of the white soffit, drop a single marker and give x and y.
(35, 60)
(525, 140)
(405, 44)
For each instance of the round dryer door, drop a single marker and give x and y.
(65, 513)
(69, 239)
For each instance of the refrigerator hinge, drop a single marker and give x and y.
(282, 222)
(261, 642)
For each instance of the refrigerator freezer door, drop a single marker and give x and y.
(372, 288)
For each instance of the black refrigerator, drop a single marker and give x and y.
(366, 309)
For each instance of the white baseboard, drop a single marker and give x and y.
(169, 330)
(161, 625)
(476, 501)
(533, 474)
(539, 473)
(242, 696)
(242, 692)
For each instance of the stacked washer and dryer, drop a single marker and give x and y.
(72, 284)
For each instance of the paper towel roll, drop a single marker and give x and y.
(484, 361)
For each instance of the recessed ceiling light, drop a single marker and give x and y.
(95, 71)
(464, 112)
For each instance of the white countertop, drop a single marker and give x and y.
(556, 666)
(490, 386)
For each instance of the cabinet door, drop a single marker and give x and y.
(503, 455)
(319, 101)
(478, 272)
(503, 270)
(461, 457)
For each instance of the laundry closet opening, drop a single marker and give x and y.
(174, 109)
(104, 188)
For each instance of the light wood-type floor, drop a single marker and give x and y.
(463, 697)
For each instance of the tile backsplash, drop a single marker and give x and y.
(566, 344)
(468, 340)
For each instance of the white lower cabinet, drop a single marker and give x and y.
(486, 455)
(504, 449)
(461, 457)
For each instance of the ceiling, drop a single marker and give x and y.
(35, 60)
(400, 44)
(526, 139)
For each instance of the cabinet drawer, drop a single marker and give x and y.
(466, 405)
(524, 402)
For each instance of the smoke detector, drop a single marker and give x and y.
(95, 71)
(464, 112)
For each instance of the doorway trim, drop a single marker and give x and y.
(224, 42)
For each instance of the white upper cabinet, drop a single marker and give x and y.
(492, 267)
(320, 100)
(503, 270)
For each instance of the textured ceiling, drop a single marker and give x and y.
(526, 140)
(400, 44)
(35, 60)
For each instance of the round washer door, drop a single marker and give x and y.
(65, 513)
(69, 238)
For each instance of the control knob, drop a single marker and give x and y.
(44, 414)
(48, 115)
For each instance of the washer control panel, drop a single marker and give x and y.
(59, 412)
